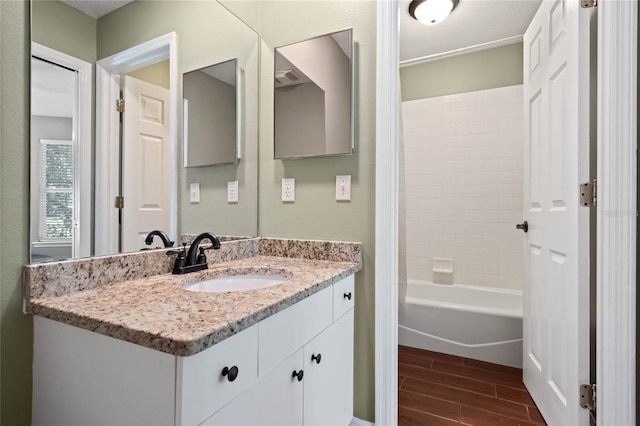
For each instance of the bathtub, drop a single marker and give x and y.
(474, 322)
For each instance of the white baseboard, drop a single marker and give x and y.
(359, 422)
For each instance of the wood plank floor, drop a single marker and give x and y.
(438, 389)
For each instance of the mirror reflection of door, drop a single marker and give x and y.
(146, 162)
(54, 162)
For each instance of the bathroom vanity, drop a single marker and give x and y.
(147, 351)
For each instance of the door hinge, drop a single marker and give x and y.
(119, 203)
(120, 105)
(588, 397)
(588, 194)
(586, 4)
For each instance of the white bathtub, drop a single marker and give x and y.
(474, 322)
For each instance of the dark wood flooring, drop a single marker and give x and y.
(438, 389)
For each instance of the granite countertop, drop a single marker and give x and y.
(156, 312)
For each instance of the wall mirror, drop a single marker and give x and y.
(313, 102)
(211, 115)
(71, 216)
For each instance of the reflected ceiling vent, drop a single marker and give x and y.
(287, 77)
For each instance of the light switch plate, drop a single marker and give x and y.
(343, 188)
(288, 190)
(232, 191)
(194, 192)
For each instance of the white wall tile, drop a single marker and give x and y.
(463, 169)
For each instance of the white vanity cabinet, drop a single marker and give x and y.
(83, 378)
(322, 395)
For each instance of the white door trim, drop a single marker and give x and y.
(82, 152)
(108, 71)
(617, 210)
(386, 258)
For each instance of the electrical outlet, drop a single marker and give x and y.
(288, 190)
(343, 188)
(194, 192)
(232, 191)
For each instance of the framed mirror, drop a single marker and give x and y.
(85, 38)
(211, 114)
(313, 97)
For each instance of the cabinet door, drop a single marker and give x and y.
(204, 386)
(287, 331)
(328, 387)
(275, 400)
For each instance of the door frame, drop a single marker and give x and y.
(617, 170)
(107, 183)
(81, 245)
(616, 212)
(386, 226)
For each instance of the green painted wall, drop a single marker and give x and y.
(498, 67)
(64, 28)
(157, 74)
(315, 213)
(16, 329)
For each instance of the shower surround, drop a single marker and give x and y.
(463, 170)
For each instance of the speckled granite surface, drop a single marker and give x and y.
(58, 278)
(158, 313)
(310, 249)
(133, 297)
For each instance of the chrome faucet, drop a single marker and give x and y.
(190, 262)
(165, 239)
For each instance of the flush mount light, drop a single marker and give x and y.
(431, 12)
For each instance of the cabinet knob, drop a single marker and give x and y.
(297, 374)
(316, 358)
(231, 373)
(347, 296)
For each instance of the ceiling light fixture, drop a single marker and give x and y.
(431, 12)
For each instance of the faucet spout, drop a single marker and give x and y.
(165, 239)
(192, 257)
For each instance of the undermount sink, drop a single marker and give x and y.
(236, 283)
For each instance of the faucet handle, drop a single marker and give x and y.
(180, 263)
(201, 257)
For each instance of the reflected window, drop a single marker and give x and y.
(56, 190)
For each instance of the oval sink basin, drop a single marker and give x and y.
(236, 283)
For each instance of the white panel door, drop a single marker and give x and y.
(556, 314)
(146, 162)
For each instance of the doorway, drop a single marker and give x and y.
(108, 138)
(60, 156)
(618, 323)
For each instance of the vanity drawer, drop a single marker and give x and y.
(201, 386)
(343, 296)
(287, 331)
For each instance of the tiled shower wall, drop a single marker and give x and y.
(463, 170)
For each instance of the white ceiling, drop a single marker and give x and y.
(224, 71)
(472, 23)
(97, 8)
